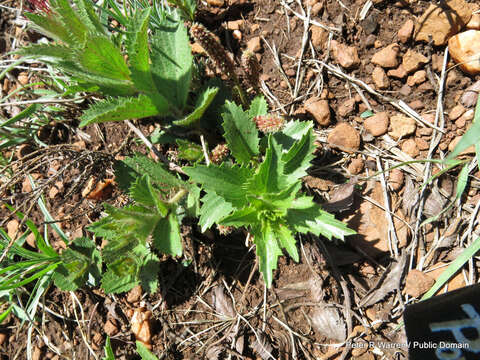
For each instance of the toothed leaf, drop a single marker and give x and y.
(214, 209)
(240, 132)
(258, 106)
(267, 250)
(203, 102)
(119, 109)
(172, 62)
(228, 182)
(166, 236)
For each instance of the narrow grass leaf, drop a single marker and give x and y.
(455, 265)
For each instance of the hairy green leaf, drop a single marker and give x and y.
(87, 15)
(119, 109)
(166, 236)
(172, 62)
(129, 169)
(120, 276)
(228, 182)
(269, 177)
(203, 102)
(80, 259)
(240, 132)
(188, 150)
(244, 217)
(214, 209)
(148, 273)
(267, 250)
(71, 20)
(50, 26)
(138, 51)
(258, 106)
(297, 159)
(101, 57)
(305, 216)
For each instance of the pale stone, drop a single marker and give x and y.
(344, 137)
(356, 166)
(418, 283)
(320, 110)
(474, 23)
(412, 61)
(456, 112)
(377, 124)
(398, 73)
(254, 44)
(441, 23)
(410, 148)
(345, 56)
(405, 32)
(387, 57)
(417, 78)
(401, 126)
(465, 51)
(380, 78)
(319, 36)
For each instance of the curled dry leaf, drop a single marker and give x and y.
(141, 327)
(327, 321)
(388, 282)
(341, 199)
(262, 346)
(221, 303)
(102, 191)
(214, 352)
(435, 202)
(410, 196)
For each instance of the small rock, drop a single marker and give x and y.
(345, 56)
(377, 124)
(418, 283)
(346, 107)
(319, 36)
(320, 110)
(467, 115)
(398, 73)
(317, 8)
(425, 131)
(235, 24)
(135, 294)
(254, 44)
(344, 137)
(456, 112)
(469, 98)
(401, 126)
(417, 78)
(53, 192)
(12, 228)
(468, 151)
(30, 240)
(380, 78)
(405, 90)
(412, 61)
(23, 78)
(396, 179)
(356, 166)
(441, 22)
(197, 48)
(217, 3)
(410, 148)
(111, 327)
(474, 23)
(370, 23)
(79, 145)
(387, 57)
(422, 144)
(237, 34)
(405, 32)
(460, 123)
(465, 51)
(416, 104)
(26, 185)
(437, 62)
(3, 337)
(254, 28)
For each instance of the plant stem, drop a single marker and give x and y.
(178, 196)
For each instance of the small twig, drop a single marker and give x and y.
(43, 101)
(205, 150)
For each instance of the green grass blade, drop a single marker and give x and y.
(453, 268)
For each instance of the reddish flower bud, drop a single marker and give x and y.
(269, 123)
